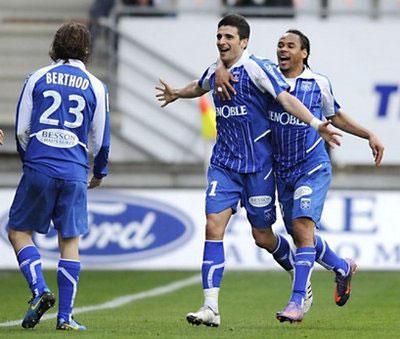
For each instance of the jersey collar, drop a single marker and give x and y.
(245, 56)
(71, 62)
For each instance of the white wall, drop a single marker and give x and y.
(357, 54)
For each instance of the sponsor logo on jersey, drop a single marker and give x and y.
(231, 111)
(123, 229)
(285, 118)
(57, 138)
(260, 200)
(302, 191)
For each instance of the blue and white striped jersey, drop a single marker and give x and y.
(293, 141)
(59, 106)
(242, 123)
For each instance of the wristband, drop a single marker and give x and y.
(315, 123)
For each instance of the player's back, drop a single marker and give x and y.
(60, 102)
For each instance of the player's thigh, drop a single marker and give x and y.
(310, 192)
(70, 213)
(223, 191)
(259, 198)
(33, 203)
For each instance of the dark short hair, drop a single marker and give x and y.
(237, 21)
(305, 43)
(71, 41)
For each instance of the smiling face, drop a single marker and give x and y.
(291, 55)
(229, 45)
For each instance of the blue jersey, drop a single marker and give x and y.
(242, 123)
(59, 106)
(296, 144)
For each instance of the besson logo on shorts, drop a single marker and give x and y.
(260, 200)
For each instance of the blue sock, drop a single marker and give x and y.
(328, 259)
(303, 265)
(283, 254)
(31, 267)
(213, 264)
(67, 279)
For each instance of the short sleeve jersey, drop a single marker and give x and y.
(295, 142)
(59, 106)
(242, 124)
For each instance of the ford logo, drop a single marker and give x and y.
(122, 228)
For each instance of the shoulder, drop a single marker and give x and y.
(98, 86)
(34, 76)
(260, 63)
(210, 70)
(322, 80)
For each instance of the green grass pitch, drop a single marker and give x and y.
(248, 302)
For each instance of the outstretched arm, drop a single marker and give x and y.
(167, 94)
(343, 121)
(1, 137)
(293, 106)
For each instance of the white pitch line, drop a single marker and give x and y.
(126, 299)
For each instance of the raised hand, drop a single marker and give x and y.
(166, 94)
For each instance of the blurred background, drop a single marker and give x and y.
(150, 211)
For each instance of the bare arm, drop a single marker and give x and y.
(343, 121)
(294, 106)
(167, 94)
(1, 137)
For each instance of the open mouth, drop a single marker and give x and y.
(283, 58)
(223, 49)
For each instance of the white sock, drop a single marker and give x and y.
(211, 298)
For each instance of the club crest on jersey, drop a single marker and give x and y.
(236, 75)
(305, 203)
(306, 86)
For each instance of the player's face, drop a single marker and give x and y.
(229, 45)
(289, 52)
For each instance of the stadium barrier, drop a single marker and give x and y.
(164, 229)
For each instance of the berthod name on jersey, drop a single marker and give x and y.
(230, 111)
(285, 118)
(66, 79)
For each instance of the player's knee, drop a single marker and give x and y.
(12, 236)
(303, 232)
(265, 239)
(214, 227)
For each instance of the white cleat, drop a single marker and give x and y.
(309, 298)
(205, 316)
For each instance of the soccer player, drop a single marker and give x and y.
(303, 169)
(58, 107)
(240, 166)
